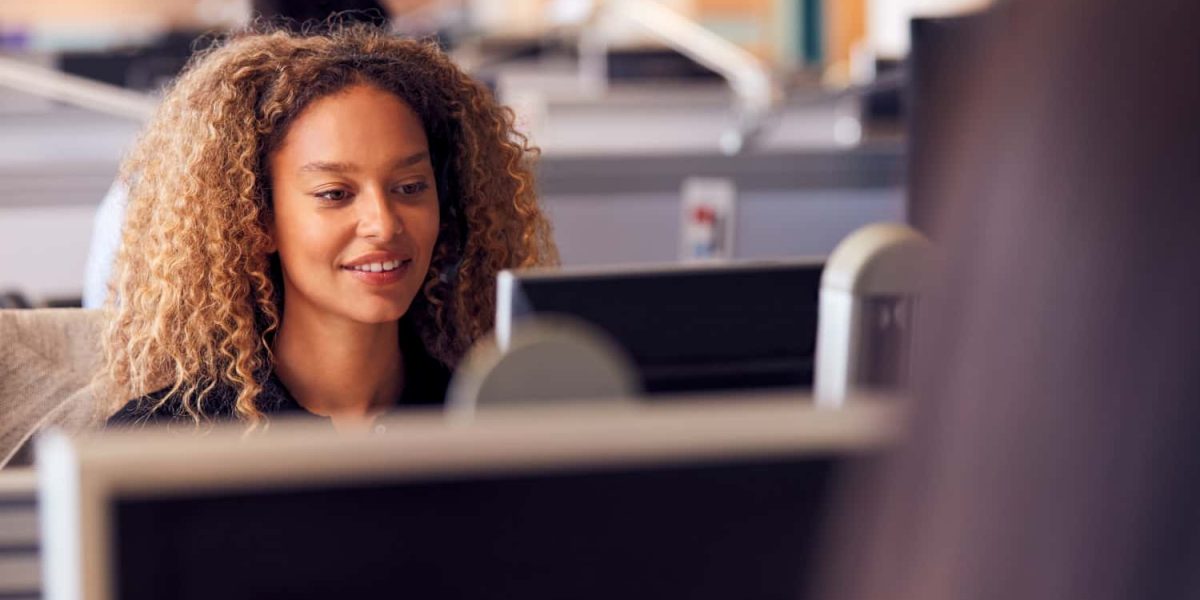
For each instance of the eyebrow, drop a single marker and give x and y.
(322, 166)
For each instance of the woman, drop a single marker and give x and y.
(315, 224)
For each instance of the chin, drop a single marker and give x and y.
(379, 314)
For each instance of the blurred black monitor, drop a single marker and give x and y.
(686, 328)
(939, 64)
(669, 501)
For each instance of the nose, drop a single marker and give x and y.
(377, 217)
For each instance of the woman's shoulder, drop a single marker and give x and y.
(161, 407)
(217, 402)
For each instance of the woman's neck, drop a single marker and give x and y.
(350, 372)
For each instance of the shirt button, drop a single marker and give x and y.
(380, 428)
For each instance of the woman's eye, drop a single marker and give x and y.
(334, 195)
(411, 189)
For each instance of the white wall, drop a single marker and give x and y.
(43, 250)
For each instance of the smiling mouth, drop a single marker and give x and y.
(379, 267)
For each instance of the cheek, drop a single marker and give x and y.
(303, 239)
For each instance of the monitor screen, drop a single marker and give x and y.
(676, 500)
(686, 328)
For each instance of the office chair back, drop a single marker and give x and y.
(48, 358)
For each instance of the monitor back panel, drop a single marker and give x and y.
(744, 529)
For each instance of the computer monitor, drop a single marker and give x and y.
(670, 500)
(686, 327)
(939, 66)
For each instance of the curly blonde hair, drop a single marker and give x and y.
(197, 292)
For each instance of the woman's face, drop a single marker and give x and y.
(356, 208)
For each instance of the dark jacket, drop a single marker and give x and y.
(425, 384)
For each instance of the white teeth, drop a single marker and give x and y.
(376, 267)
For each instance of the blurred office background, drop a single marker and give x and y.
(801, 105)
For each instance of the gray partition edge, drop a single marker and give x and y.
(874, 165)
